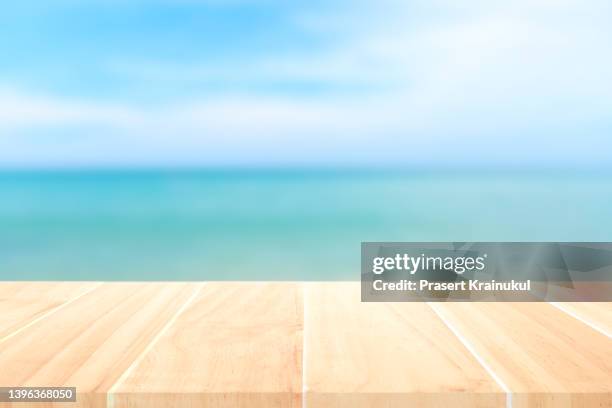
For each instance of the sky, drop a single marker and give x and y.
(284, 83)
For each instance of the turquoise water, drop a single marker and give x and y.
(282, 225)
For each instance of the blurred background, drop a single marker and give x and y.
(245, 139)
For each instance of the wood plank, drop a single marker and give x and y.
(23, 302)
(237, 345)
(389, 355)
(598, 314)
(545, 357)
(240, 344)
(91, 342)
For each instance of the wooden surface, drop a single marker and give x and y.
(23, 303)
(91, 342)
(237, 345)
(386, 354)
(596, 314)
(293, 345)
(546, 357)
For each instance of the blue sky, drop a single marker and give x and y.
(246, 82)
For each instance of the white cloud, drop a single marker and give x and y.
(491, 51)
(437, 76)
(19, 109)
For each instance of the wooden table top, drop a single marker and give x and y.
(283, 344)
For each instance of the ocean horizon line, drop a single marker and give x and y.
(391, 170)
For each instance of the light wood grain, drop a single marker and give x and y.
(240, 345)
(389, 355)
(598, 314)
(23, 302)
(91, 342)
(237, 345)
(546, 357)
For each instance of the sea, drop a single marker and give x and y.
(274, 224)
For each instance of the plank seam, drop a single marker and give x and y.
(581, 319)
(50, 312)
(109, 396)
(478, 357)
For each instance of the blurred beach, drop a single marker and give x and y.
(255, 224)
(290, 132)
